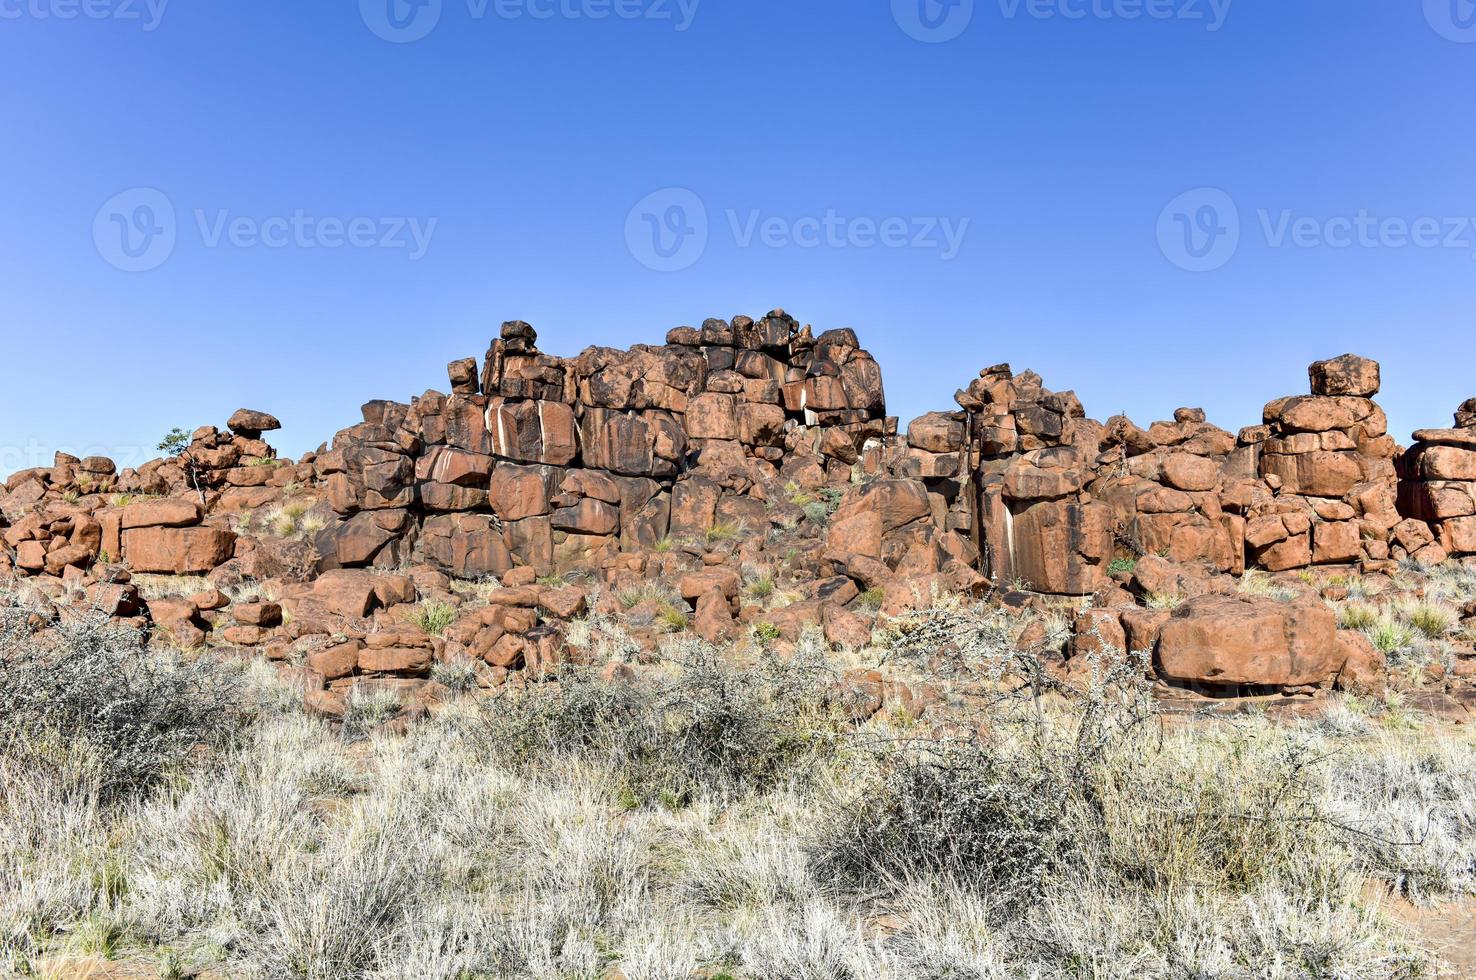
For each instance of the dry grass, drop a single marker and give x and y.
(432, 618)
(1414, 620)
(581, 826)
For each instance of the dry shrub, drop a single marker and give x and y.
(141, 714)
(704, 727)
(966, 811)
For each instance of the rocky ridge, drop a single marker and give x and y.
(678, 487)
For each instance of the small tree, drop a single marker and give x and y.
(176, 446)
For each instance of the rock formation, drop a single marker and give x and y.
(1437, 490)
(750, 443)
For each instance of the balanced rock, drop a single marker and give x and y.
(1346, 375)
(249, 424)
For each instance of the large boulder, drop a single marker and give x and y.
(1251, 641)
(532, 431)
(177, 550)
(1346, 375)
(897, 502)
(466, 546)
(159, 513)
(250, 424)
(357, 541)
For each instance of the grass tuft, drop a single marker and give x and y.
(432, 618)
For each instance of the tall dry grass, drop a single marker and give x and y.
(583, 825)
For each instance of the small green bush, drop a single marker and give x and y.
(433, 618)
(723, 531)
(761, 586)
(765, 633)
(1389, 636)
(1429, 619)
(672, 619)
(1357, 616)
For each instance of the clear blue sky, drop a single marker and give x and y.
(530, 141)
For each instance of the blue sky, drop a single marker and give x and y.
(998, 181)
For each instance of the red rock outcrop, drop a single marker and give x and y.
(1327, 462)
(1437, 492)
(749, 444)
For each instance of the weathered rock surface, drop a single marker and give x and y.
(740, 458)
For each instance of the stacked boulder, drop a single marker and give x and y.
(1438, 492)
(1252, 644)
(541, 462)
(1010, 471)
(211, 460)
(368, 479)
(741, 460)
(1178, 490)
(58, 539)
(888, 535)
(1327, 462)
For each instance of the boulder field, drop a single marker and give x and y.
(679, 486)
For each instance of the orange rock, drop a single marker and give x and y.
(565, 603)
(1249, 640)
(713, 620)
(414, 661)
(160, 513)
(338, 661)
(177, 551)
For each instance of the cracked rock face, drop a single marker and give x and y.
(669, 472)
